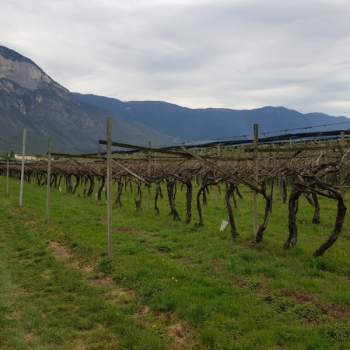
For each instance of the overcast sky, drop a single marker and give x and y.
(197, 53)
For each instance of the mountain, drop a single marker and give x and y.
(211, 123)
(30, 99)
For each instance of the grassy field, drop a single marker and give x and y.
(170, 285)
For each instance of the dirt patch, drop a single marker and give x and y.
(334, 311)
(17, 314)
(100, 327)
(301, 297)
(123, 229)
(100, 280)
(46, 274)
(29, 337)
(144, 311)
(32, 224)
(261, 286)
(59, 251)
(122, 294)
(240, 282)
(79, 345)
(217, 262)
(177, 331)
(86, 269)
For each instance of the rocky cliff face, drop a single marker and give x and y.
(30, 98)
(23, 71)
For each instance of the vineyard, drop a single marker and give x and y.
(215, 246)
(312, 171)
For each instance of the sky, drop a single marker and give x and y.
(239, 54)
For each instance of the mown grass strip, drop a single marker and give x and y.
(46, 305)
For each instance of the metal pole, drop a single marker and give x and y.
(48, 185)
(109, 187)
(7, 176)
(342, 172)
(148, 201)
(256, 176)
(22, 167)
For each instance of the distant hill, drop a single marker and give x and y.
(32, 99)
(210, 123)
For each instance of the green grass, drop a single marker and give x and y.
(230, 295)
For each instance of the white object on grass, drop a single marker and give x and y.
(224, 224)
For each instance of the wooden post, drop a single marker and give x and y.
(274, 156)
(148, 201)
(48, 185)
(109, 186)
(256, 176)
(22, 167)
(7, 176)
(342, 138)
(342, 171)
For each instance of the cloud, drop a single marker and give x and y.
(237, 53)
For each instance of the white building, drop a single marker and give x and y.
(19, 157)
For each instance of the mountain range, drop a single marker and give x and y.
(31, 99)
